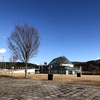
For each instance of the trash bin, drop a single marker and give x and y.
(50, 76)
(78, 74)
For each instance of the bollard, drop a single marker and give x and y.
(50, 76)
(78, 74)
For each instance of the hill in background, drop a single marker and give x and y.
(93, 65)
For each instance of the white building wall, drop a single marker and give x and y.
(70, 65)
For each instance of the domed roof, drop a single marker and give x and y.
(60, 60)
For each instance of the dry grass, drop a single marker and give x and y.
(84, 79)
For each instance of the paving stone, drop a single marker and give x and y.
(27, 89)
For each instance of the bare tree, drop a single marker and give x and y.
(23, 43)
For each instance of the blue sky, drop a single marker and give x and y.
(68, 28)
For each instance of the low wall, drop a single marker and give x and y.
(17, 71)
(23, 71)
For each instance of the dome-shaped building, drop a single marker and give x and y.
(61, 65)
(61, 61)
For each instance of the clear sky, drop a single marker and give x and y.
(68, 28)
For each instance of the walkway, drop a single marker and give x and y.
(27, 89)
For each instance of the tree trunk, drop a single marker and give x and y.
(26, 70)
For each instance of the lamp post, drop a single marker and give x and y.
(61, 69)
(49, 69)
(50, 76)
(3, 61)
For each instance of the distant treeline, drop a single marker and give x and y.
(91, 66)
(16, 65)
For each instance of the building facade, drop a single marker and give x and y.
(59, 65)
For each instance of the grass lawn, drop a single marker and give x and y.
(84, 79)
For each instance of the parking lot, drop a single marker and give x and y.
(28, 89)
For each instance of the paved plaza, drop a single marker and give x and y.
(27, 89)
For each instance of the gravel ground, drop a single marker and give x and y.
(28, 89)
